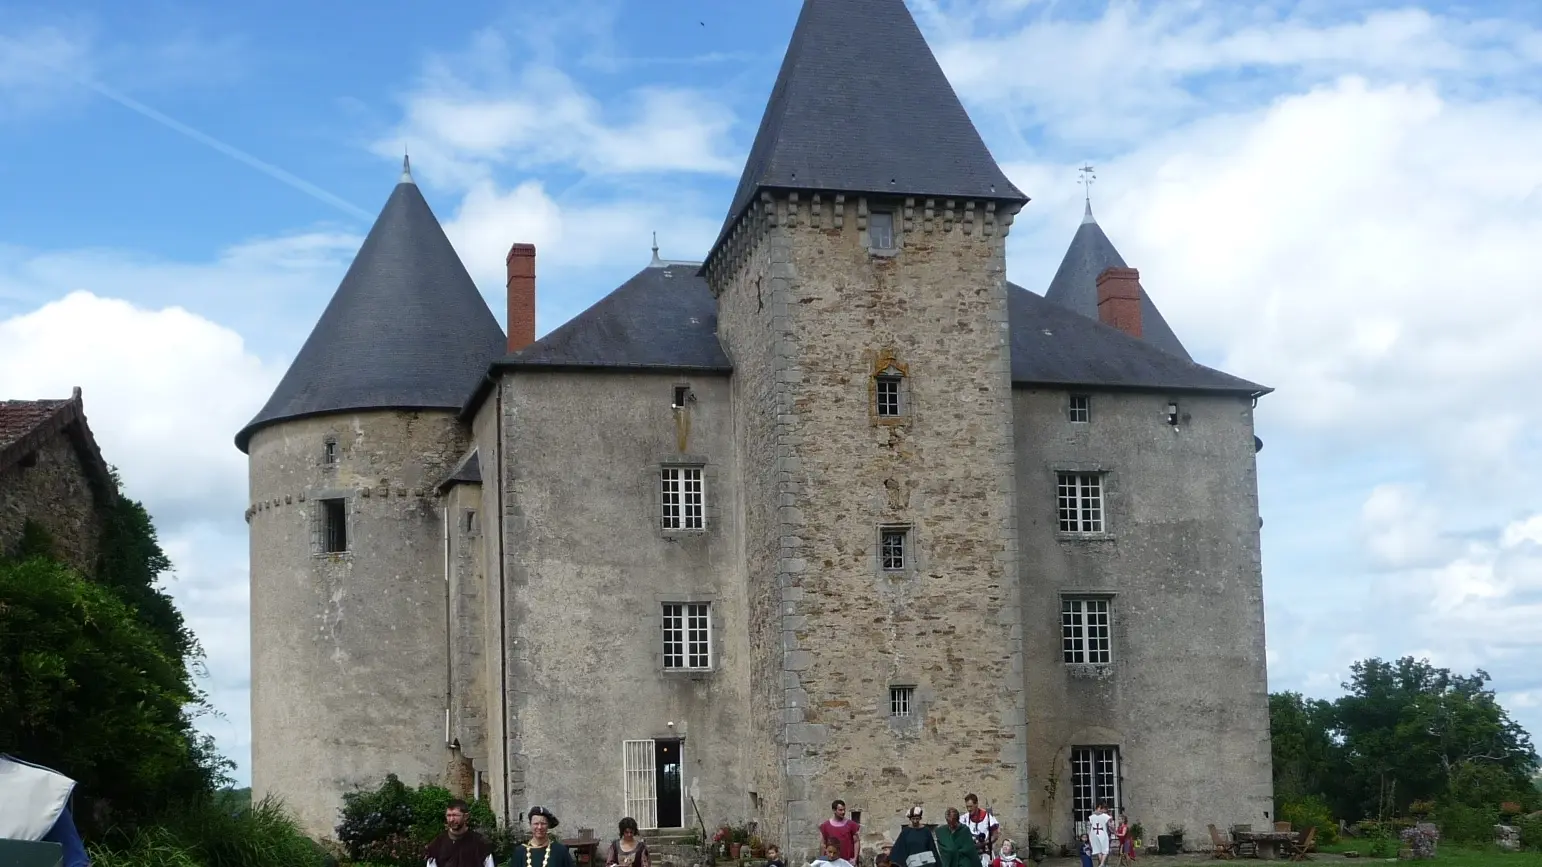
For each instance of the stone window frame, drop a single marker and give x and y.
(902, 700)
(913, 565)
(920, 702)
(886, 365)
(896, 211)
(1107, 496)
(655, 622)
(712, 512)
(678, 389)
(1090, 670)
(317, 508)
(331, 452)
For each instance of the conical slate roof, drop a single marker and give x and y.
(406, 329)
(1076, 284)
(861, 105)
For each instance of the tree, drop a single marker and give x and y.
(1307, 761)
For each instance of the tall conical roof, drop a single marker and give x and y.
(1076, 284)
(406, 329)
(861, 105)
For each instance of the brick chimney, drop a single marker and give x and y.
(521, 286)
(1119, 299)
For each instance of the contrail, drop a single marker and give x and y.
(268, 169)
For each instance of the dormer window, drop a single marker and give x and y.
(880, 230)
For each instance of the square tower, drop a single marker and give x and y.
(860, 279)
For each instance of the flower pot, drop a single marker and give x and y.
(733, 851)
(1037, 852)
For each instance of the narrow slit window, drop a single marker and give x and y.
(334, 526)
(329, 452)
(682, 394)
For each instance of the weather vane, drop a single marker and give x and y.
(1088, 176)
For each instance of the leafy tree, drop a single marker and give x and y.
(1306, 758)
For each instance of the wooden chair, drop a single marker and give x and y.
(1223, 848)
(1297, 851)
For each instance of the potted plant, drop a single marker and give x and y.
(1420, 809)
(757, 846)
(1037, 849)
(1137, 833)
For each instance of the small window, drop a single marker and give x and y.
(334, 526)
(1079, 497)
(1084, 632)
(329, 452)
(891, 548)
(1081, 409)
(888, 396)
(880, 230)
(682, 500)
(469, 523)
(902, 700)
(687, 636)
(682, 394)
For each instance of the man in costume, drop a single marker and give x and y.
(542, 850)
(458, 845)
(915, 846)
(35, 806)
(955, 844)
(846, 833)
(982, 825)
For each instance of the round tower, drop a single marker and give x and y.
(349, 644)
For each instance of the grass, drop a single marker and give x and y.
(1449, 854)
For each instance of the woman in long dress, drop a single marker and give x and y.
(628, 850)
(915, 846)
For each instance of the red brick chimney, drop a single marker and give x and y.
(1119, 299)
(521, 286)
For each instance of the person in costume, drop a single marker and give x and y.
(458, 845)
(628, 850)
(846, 833)
(832, 856)
(1097, 833)
(915, 846)
(955, 844)
(982, 825)
(1008, 856)
(542, 849)
(35, 806)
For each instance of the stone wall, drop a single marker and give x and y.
(588, 569)
(507, 783)
(467, 627)
(51, 488)
(1184, 698)
(810, 315)
(349, 676)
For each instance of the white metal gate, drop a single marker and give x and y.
(640, 783)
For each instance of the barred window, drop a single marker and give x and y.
(329, 526)
(901, 700)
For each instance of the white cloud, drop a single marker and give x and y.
(473, 113)
(30, 60)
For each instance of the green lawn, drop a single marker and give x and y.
(1449, 854)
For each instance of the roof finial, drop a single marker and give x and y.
(1087, 179)
(656, 259)
(406, 177)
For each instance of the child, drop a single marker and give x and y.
(1086, 851)
(1126, 843)
(832, 856)
(774, 856)
(1008, 856)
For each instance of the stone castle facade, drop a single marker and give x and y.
(836, 512)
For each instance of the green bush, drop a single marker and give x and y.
(1309, 811)
(1461, 823)
(393, 824)
(207, 835)
(1531, 832)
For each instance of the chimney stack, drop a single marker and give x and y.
(1119, 299)
(521, 287)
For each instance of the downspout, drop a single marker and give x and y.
(449, 674)
(503, 614)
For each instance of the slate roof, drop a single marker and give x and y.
(469, 472)
(406, 329)
(861, 105)
(27, 424)
(1075, 284)
(663, 318)
(1056, 346)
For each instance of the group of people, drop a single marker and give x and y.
(967, 839)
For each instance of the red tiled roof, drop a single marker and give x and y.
(26, 424)
(21, 417)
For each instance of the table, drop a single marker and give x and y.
(1268, 842)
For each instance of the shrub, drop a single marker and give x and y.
(1531, 832)
(393, 824)
(1461, 823)
(1309, 811)
(148, 847)
(206, 835)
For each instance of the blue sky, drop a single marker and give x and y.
(1340, 200)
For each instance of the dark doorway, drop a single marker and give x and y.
(667, 759)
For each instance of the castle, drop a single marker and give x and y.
(835, 512)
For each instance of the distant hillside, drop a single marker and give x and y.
(235, 800)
